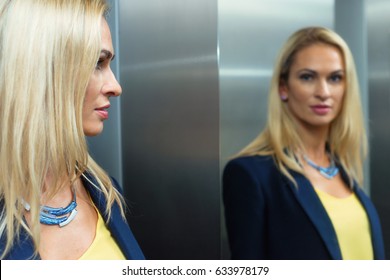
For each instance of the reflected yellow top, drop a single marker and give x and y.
(103, 246)
(351, 224)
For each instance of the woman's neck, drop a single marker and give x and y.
(55, 193)
(314, 143)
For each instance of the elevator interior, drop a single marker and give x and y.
(195, 76)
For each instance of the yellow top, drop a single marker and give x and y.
(103, 246)
(351, 224)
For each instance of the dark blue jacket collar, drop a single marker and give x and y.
(311, 203)
(117, 225)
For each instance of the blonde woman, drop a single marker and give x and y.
(295, 191)
(55, 89)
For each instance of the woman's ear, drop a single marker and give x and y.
(283, 91)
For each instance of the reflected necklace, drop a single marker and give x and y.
(56, 216)
(328, 172)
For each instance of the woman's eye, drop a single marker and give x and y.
(99, 64)
(336, 78)
(306, 77)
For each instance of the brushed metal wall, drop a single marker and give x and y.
(379, 107)
(170, 126)
(251, 32)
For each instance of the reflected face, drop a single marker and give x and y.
(101, 86)
(315, 86)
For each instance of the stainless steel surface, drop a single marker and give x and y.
(251, 33)
(170, 126)
(354, 31)
(379, 107)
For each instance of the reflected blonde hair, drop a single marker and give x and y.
(48, 51)
(280, 139)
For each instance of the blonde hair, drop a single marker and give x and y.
(347, 136)
(48, 51)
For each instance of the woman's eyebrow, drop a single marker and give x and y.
(307, 70)
(340, 71)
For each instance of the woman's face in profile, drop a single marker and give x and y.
(315, 85)
(102, 85)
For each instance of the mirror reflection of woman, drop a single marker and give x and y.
(56, 83)
(295, 191)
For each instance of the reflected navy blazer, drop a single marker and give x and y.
(118, 227)
(268, 217)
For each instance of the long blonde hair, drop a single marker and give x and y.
(280, 138)
(48, 51)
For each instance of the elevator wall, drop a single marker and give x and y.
(378, 26)
(170, 126)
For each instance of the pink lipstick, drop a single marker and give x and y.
(321, 109)
(102, 111)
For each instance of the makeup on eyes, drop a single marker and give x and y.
(308, 75)
(105, 55)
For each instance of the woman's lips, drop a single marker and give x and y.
(321, 109)
(102, 111)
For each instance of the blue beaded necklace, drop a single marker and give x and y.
(56, 216)
(328, 172)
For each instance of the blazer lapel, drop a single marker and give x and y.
(118, 227)
(376, 231)
(312, 205)
(23, 249)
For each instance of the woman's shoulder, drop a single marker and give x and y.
(116, 184)
(254, 166)
(91, 184)
(251, 162)
(253, 175)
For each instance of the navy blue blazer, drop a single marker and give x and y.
(118, 227)
(268, 217)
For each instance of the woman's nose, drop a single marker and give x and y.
(112, 86)
(323, 89)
